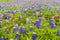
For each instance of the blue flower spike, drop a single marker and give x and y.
(22, 29)
(2, 38)
(58, 33)
(17, 35)
(34, 36)
(7, 31)
(52, 24)
(37, 23)
(30, 28)
(14, 29)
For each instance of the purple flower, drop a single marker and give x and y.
(51, 20)
(34, 10)
(7, 31)
(17, 35)
(1, 7)
(37, 23)
(34, 36)
(22, 29)
(14, 29)
(12, 12)
(58, 33)
(38, 9)
(16, 10)
(2, 38)
(5, 16)
(30, 28)
(52, 25)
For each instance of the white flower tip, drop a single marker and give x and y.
(2, 37)
(25, 9)
(38, 20)
(11, 39)
(17, 32)
(34, 33)
(23, 27)
(14, 27)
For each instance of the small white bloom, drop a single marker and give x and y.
(30, 26)
(16, 25)
(11, 39)
(34, 33)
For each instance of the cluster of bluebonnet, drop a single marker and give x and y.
(19, 20)
(52, 23)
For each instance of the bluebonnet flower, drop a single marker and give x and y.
(30, 28)
(37, 23)
(1, 7)
(5, 16)
(16, 10)
(51, 23)
(34, 36)
(22, 29)
(17, 35)
(53, 26)
(34, 10)
(58, 33)
(38, 9)
(7, 31)
(2, 38)
(12, 12)
(14, 29)
(16, 25)
(51, 20)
